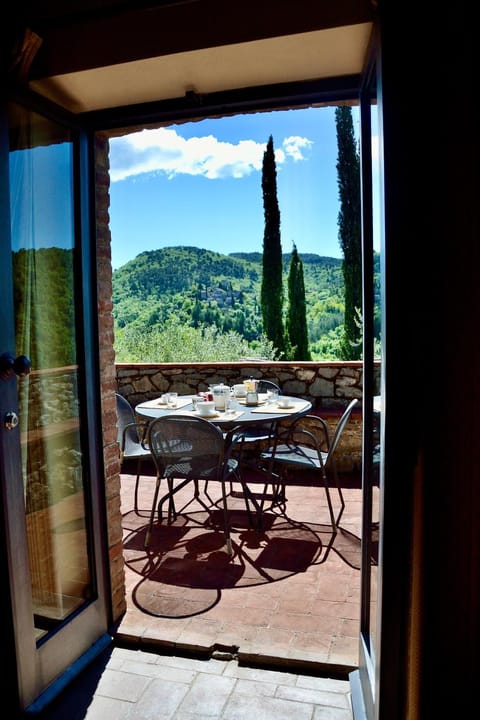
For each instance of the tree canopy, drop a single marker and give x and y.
(296, 323)
(271, 299)
(349, 225)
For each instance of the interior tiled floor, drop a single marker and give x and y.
(126, 684)
(290, 595)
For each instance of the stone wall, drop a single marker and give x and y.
(328, 385)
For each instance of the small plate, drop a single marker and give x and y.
(207, 415)
(285, 407)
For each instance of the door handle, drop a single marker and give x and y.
(10, 365)
(10, 420)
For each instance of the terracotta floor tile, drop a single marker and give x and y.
(235, 634)
(349, 628)
(344, 650)
(316, 642)
(260, 599)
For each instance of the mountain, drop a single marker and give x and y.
(199, 287)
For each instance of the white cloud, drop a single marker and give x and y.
(164, 151)
(294, 145)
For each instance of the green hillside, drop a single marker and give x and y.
(197, 288)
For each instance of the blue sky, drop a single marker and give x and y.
(200, 184)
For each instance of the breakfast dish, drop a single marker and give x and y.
(293, 407)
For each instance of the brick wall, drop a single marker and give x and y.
(108, 381)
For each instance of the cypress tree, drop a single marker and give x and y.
(271, 298)
(296, 325)
(349, 223)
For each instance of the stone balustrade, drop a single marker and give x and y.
(328, 385)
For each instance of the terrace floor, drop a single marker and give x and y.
(289, 597)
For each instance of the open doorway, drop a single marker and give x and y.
(326, 646)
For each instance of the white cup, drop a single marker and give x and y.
(206, 408)
(283, 401)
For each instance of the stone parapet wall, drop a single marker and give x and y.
(328, 385)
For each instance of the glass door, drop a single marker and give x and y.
(51, 464)
(365, 681)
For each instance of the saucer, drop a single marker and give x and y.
(285, 407)
(214, 413)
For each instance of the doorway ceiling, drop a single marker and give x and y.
(101, 54)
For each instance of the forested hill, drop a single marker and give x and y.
(199, 287)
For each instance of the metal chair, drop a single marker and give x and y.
(186, 449)
(263, 431)
(131, 437)
(244, 442)
(266, 385)
(303, 452)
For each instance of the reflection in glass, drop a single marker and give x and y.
(43, 258)
(376, 420)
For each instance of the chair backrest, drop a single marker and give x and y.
(341, 426)
(183, 446)
(264, 385)
(309, 431)
(126, 417)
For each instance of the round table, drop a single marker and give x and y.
(244, 415)
(244, 419)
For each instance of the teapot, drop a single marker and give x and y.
(220, 394)
(252, 391)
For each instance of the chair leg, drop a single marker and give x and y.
(279, 496)
(226, 522)
(340, 495)
(137, 482)
(205, 491)
(148, 534)
(333, 519)
(337, 487)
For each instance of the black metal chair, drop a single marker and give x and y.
(189, 449)
(264, 386)
(303, 452)
(247, 443)
(131, 437)
(260, 432)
